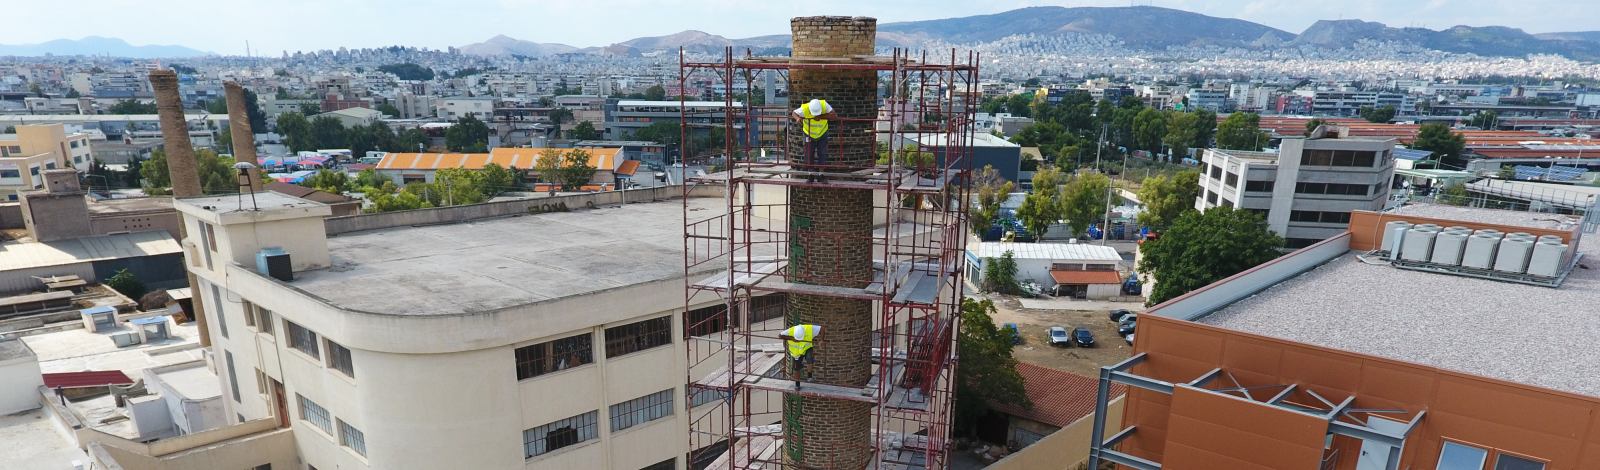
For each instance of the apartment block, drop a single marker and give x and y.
(1307, 189)
(34, 149)
(628, 116)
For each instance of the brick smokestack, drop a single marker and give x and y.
(181, 167)
(831, 244)
(181, 164)
(244, 139)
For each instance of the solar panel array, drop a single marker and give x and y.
(1553, 173)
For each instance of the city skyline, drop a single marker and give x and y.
(580, 25)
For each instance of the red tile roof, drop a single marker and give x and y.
(1059, 397)
(90, 378)
(1085, 277)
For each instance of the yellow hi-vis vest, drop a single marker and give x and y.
(812, 126)
(802, 334)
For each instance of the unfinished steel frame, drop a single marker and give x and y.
(739, 385)
(1103, 448)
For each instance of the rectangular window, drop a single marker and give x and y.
(641, 410)
(1216, 172)
(10, 174)
(567, 432)
(264, 319)
(700, 396)
(1512, 462)
(1258, 186)
(1232, 180)
(707, 320)
(550, 356)
(1317, 158)
(221, 313)
(315, 414)
(668, 464)
(1211, 197)
(302, 340)
(768, 307)
(233, 377)
(638, 336)
(339, 359)
(211, 235)
(1457, 456)
(351, 437)
(249, 313)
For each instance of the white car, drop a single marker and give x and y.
(1059, 337)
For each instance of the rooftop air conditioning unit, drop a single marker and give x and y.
(1480, 250)
(1449, 246)
(1547, 257)
(1393, 233)
(1418, 244)
(1512, 257)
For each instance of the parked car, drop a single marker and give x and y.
(1082, 337)
(1128, 324)
(1016, 335)
(1058, 337)
(1129, 338)
(1116, 315)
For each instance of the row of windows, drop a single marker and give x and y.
(1460, 456)
(1259, 186)
(563, 433)
(1341, 189)
(318, 416)
(714, 319)
(1320, 217)
(573, 351)
(305, 341)
(641, 410)
(1351, 158)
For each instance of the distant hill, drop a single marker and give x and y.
(100, 46)
(505, 45)
(1481, 40)
(1142, 27)
(1591, 36)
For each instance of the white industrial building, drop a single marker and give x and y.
(1091, 270)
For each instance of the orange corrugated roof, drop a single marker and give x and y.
(519, 158)
(1085, 277)
(628, 167)
(1059, 398)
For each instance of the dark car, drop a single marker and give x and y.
(1128, 324)
(1016, 335)
(1116, 315)
(1082, 337)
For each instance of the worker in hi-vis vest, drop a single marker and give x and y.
(799, 339)
(814, 117)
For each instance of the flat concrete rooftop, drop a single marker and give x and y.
(264, 200)
(1520, 333)
(491, 264)
(192, 382)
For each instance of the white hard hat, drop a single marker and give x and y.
(815, 106)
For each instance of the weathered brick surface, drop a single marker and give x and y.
(831, 232)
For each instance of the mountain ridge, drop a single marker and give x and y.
(100, 45)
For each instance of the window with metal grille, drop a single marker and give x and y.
(315, 414)
(700, 396)
(302, 340)
(567, 432)
(641, 410)
(351, 437)
(638, 336)
(551, 356)
(339, 359)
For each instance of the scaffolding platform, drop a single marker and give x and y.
(772, 378)
(900, 451)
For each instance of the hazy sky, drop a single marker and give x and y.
(276, 25)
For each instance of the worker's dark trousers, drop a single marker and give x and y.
(817, 150)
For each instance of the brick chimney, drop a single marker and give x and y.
(244, 138)
(831, 244)
(181, 167)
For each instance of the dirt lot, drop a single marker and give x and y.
(1109, 347)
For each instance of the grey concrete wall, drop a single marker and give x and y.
(11, 215)
(56, 216)
(454, 214)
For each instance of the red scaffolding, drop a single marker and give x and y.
(736, 258)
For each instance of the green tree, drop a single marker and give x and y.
(328, 133)
(1380, 114)
(1200, 248)
(1000, 275)
(1455, 195)
(296, 131)
(1020, 104)
(655, 93)
(408, 71)
(132, 107)
(410, 140)
(252, 110)
(386, 198)
(1241, 131)
(1083, 201)
(1166, 197)
(217, 106)
(558, 116)
(988, 372)
(336, 182)
(1312, 125)
(458, 186)
(570, 170)
(127, 284)
(381, 137)
(224, 143)
(1205, 128)
(990, 191)
(496, 179)
(388, 110)
(584, 131)
(1484, 120)
(1042, 206)
(368, 178)
(72, 93)
(662, 132)
(1122, 126)
(468, 134)
(1149, 128)
(1444, 145)
(217, 175)
(310, 109)
(1183, 130)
